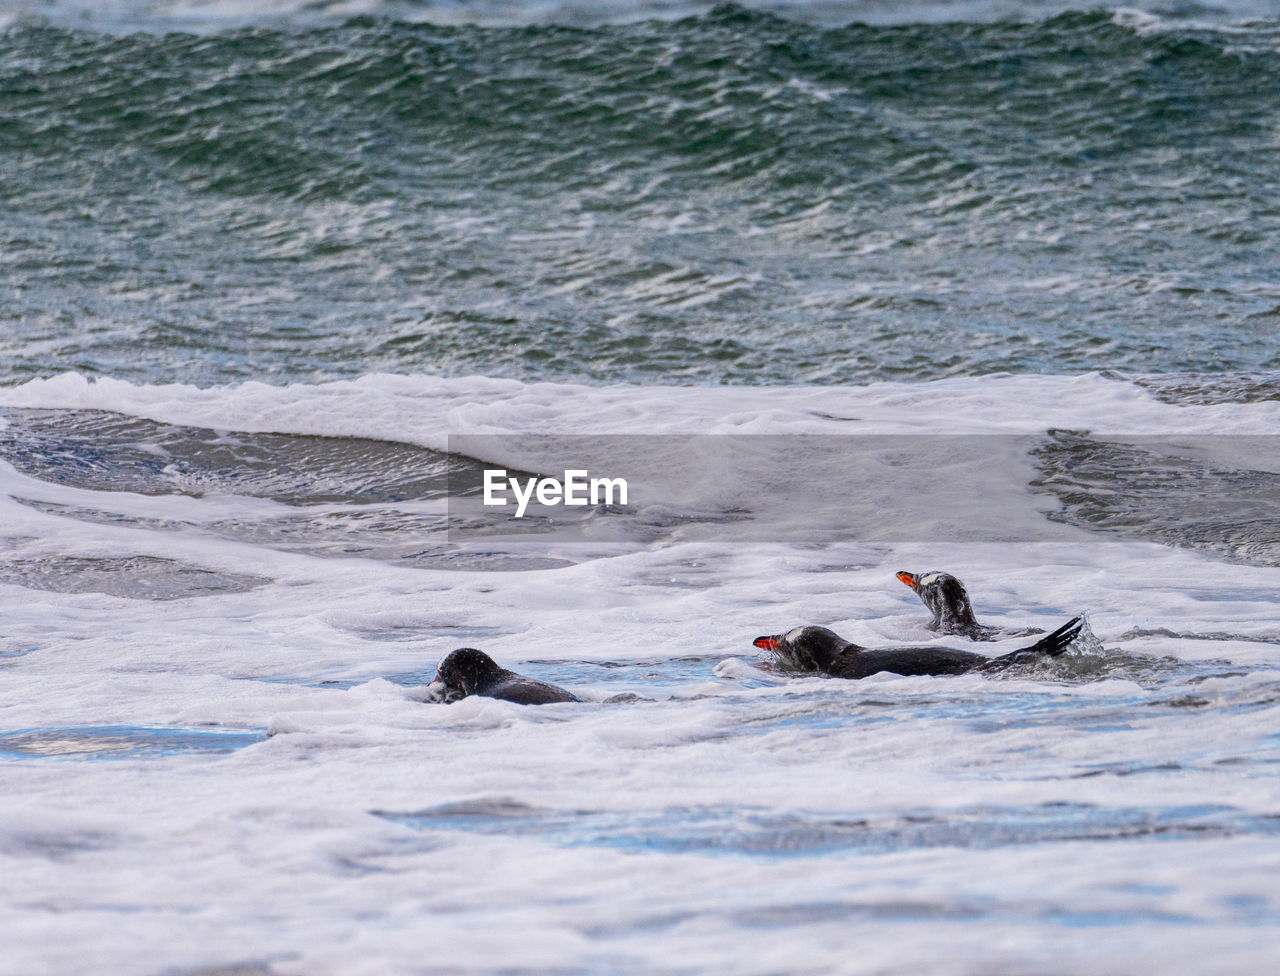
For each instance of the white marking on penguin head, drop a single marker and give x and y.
(440, 692)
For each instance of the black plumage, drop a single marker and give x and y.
(823, 650)
(468, 671)
(948, 601)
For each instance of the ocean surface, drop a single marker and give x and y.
(281, 279)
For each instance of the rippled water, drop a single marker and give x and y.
(728, 198)
(759, 831)
(120, 742)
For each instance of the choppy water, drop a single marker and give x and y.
(266, 267)
(730, 197)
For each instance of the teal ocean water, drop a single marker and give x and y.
(730, 197)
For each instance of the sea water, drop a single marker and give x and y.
(266, 267)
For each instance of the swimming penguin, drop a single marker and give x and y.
(468, 671)
(946, 597)
(820, 649)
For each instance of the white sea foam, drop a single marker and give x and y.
(723, 819)
(424, 410)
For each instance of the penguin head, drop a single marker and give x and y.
(805, 648)
(945, 597)
(463, 672)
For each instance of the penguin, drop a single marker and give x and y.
(467, 671)
(947, 598)
(823, 650)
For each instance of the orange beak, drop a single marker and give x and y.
(907, 578)
(768, 643)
